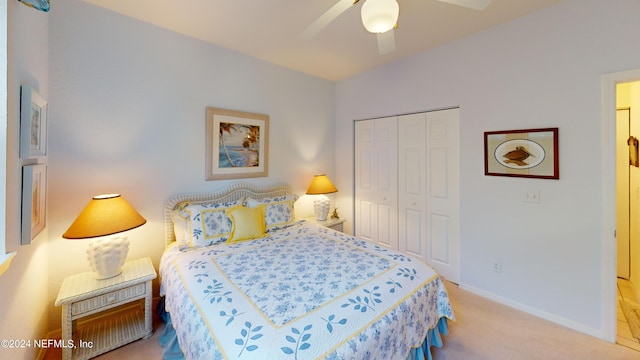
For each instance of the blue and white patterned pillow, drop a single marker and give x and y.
(203, 224)
(280, 211)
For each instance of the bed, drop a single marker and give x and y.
(241, 278)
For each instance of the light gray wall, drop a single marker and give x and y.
(127, 115)
(542, 70)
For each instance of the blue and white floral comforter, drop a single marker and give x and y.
(305, 292)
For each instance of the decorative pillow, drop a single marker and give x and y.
(180, 227)
(207, 222)
(248, 223)
(279, 211)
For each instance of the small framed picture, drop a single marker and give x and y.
(531, 153)
(34, 201)
(633, 151)
(33, 124)
(237, 144)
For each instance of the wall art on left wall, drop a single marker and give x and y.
(33, 124)
(34, 201)
(41, 5)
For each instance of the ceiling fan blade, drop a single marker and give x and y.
(386, 42)
(324, 19)
(471, 4)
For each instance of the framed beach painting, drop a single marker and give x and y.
(531, 153)
(237, 144)
(33, 124)
(34, 201)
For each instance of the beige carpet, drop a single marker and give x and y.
(488, 330)
(632, 313)
(484, 330)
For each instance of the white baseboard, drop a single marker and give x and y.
(535, 312)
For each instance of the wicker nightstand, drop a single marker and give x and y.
(82, 295)
(335, 224)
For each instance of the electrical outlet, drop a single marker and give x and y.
(497, 266)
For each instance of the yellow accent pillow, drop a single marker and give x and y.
(248, 223)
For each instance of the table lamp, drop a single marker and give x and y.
(321, 185)
(105, 215)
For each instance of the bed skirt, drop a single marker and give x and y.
(169, 339)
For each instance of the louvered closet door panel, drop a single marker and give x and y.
(442, 192)
(412, 196)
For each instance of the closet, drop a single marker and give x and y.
(407, 186)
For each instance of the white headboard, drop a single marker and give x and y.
(233, 192)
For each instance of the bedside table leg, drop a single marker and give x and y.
(148, 321)
(67, 331)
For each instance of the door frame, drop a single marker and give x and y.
(609, 242)
(623, 191)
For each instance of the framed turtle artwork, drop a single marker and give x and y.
(530, 153)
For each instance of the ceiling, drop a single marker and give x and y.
(270, 29)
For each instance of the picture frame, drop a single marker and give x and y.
(528, 153)
(633, 151)
(34, 201)
(237, 144)
(33, 124)
(41, 5)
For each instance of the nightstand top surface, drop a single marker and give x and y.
(328, 222)
(85, 285)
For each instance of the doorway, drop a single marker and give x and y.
(627, 206)
(609, 221)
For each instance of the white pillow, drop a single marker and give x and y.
(180, 226)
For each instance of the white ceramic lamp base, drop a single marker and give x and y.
(321, 207)
(106, 255)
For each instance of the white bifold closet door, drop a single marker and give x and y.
(427, 187)
(376, 159)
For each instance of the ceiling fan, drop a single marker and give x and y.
(379, 17)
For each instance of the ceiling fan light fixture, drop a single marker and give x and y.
(380, 16)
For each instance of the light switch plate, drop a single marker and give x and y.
(532, 197)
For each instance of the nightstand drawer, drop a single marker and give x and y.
(114, 297)
(337, 227)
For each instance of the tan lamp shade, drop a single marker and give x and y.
(104, 215)
(321, 185)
